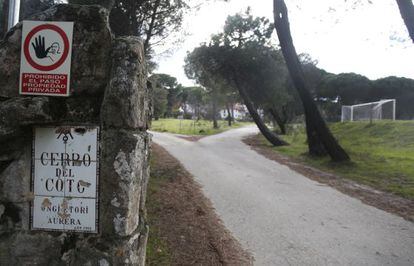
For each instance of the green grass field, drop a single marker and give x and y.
(192, 127)
(382, 154)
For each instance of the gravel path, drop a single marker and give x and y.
(284, 218)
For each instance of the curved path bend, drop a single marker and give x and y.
(284, 218)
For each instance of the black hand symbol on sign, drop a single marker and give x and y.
(39, 47)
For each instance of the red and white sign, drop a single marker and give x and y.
(46, 58)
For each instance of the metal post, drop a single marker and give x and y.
(380, 114)
(371, 114)
(394, 109)
(14, 12)
(352, 113)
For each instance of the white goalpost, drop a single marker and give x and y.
(383, 109)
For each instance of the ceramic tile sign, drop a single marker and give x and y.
(65, 174)
(45, 58)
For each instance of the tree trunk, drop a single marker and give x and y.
(184, 106)
(198, 112)
(315, 145)
(215, 124)
(229, 118)
(278, 120)
(151, 27)
(315, 125)
(407, 13)
(269, 135)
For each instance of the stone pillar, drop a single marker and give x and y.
(108, 83)
(125, 147)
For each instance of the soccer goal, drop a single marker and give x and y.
(383, 109)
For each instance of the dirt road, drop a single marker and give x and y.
(284, 218)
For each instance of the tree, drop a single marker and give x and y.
(242, 28)
(291, 107)
(152, 20)
(232, 67)
(173, 91)
(183, 95)
(350, 88)
(281, 116)
(265, 73)
(244, 42)
(221, 96)
(320, 139)
(213, 101)
(407, 13)
(401, 89)
(196, 97)
(195, 69)
(231, 98)
(266, 90)
(347, 88)
(159, 97)
(270, 136)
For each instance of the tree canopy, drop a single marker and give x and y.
(241, 58)
(152, 20)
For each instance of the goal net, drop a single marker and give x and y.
(383, 109)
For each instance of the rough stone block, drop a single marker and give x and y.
(146, 176)
(75, 109)
(123, 164)
(18, 112)
(126, 101)
(132, 250)
(10, 62)
(129, 250)
(15, 217)
(15, 179)
(15, 193)
(30, 249)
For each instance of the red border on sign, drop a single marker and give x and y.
(65, 49)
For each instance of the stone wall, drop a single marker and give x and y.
(108, 88)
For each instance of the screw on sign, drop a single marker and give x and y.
(66, 132)
(45, 59)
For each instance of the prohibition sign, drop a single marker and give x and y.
(65, 47)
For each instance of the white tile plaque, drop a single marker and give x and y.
(65, 178)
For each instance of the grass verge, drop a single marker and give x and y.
(158, 252)
(382, 154)
(192, 127)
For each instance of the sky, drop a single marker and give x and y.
(369, 39)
